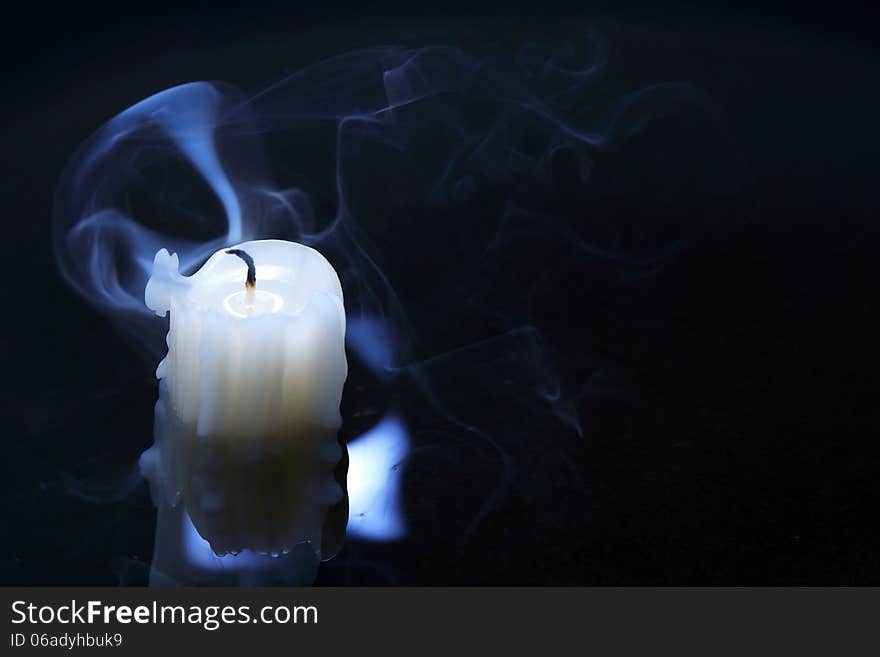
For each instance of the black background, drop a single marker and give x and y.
(727, 400)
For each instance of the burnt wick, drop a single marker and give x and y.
(251, 281)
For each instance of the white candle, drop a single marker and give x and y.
(248, 410)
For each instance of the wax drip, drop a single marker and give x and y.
(251, 281)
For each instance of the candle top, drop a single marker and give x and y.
(287, 275)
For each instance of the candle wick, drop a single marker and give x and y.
(251, 280)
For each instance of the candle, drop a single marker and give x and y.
(248, 411)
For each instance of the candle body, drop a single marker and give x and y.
(248, 411)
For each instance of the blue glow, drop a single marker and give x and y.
(375, 511)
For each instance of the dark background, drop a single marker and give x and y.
(727, 399)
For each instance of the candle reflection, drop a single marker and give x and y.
(375, 469)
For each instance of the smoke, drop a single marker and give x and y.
(449, 189)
